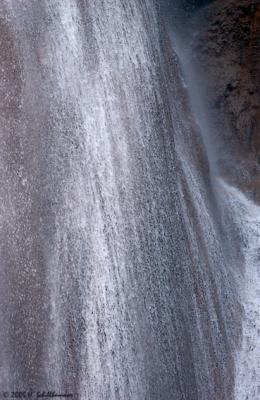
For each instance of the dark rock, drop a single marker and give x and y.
(227, 50)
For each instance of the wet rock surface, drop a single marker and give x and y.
(227, 48)
(117, 274)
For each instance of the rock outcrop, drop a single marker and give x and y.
(227, 48)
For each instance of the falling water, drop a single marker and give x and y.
(117, 278)
(247, 217)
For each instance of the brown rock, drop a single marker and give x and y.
(227, 49)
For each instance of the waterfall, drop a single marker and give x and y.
(248, 355)
(118, 276)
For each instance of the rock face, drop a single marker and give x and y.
(115, 280)
(228, 50)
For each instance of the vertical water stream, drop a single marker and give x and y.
(115, 283)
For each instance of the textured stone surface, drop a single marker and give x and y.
(228, 48)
